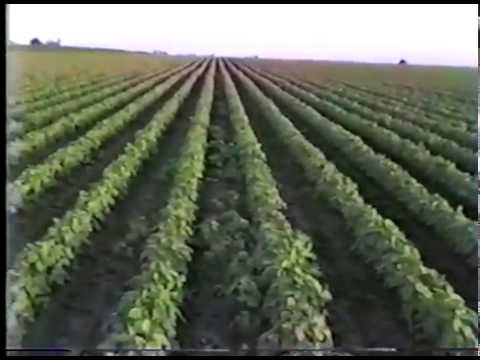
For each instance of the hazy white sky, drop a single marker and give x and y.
(423, 34)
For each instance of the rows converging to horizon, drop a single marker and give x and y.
(233, 203)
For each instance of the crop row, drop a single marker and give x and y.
(149, 318)
(462, 157)
(294, 292)
(400, 182)
(437, 108)
(228, 234)
(430, 304)
(463, 118)
(43, 266)
(25, 87)
(55, 89)
(452, 226)
(43, 104)
(425, 101)
(453, 102)
(433, 108)
(34, 180)
(37, 120)
(458, 134)
(40, 139)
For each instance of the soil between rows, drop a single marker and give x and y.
(76, 316)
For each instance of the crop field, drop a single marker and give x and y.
(40, 69)
(259, 206)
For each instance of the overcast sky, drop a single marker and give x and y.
(422, 34)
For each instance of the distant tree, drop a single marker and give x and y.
(35, 42)
(402, 62)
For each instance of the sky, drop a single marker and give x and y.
(423, 34)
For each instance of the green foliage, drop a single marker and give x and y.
(462, 157)
(66, 121)
(429, 302)
(453, 131)
(436, 105)
(43, 266)
(81, 90)
(35, 94)
(153, 310)
(35, 180)
(450, 225)
(294, 293)
(118, 93)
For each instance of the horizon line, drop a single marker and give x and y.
(256, 56)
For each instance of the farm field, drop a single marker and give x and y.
(252, 205)
(40, 68)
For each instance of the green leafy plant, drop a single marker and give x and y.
(434, 310)
(462, 157)
(450, 225)
(44, 265)
(47, 90)
(73, 94)
(35, 180)
(443, 128)
(69, 122)
(150, 317)
(293, 291)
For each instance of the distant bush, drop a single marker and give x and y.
(35, 42)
